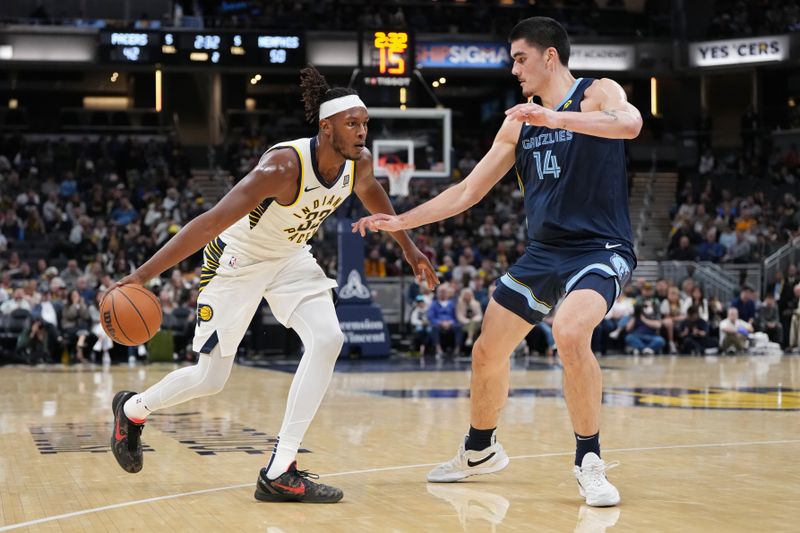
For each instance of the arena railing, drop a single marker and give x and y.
(786, 255)
(713, 278)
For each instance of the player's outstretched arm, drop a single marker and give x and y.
(375, 199)
(273, 177)
(607, 113)
(491, 168)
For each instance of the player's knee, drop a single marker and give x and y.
(213, 383)
(482, 356)
(215, 386)
(331, 338)
(569, 336)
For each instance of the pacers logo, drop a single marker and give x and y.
(747, 398)
(205, 313)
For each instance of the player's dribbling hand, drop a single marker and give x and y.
(533, 114)
(422, 267)
(378, 222)
(131, 278)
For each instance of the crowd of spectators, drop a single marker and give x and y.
(734, 18)
(648, 318)
(75, 215)
(580, 17)
(660, 317)
(713, 222)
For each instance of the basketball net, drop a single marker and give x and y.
(400, 175)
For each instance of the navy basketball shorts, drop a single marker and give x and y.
(545, 273)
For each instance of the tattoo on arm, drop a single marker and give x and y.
(611, 113)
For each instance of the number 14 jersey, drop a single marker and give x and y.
(575, 185)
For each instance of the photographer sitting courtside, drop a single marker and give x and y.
(733, 333)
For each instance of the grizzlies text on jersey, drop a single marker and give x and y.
(575, 185)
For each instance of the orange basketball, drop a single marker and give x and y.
(130, 314)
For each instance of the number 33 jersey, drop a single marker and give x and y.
(273, 230)
(575, 185)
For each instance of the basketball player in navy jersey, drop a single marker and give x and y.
(256, 247)
(569, 158)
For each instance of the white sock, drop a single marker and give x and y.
(135, 408)
(316, 323)
(206, 377)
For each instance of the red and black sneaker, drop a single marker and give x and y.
(295, 486)
(126, 442)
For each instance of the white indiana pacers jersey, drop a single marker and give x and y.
(272, 230)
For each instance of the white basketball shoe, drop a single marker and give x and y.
(470, 463)
(592, 482)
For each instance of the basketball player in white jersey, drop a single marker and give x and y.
(255, 247)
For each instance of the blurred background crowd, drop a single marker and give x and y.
(76, 216)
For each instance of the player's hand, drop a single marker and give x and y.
(422, 267)
(378, 222)
(533, 114)
(130, 279)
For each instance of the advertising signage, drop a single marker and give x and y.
(463, 55)
(732, 52)
(610, 57)
(495, 55)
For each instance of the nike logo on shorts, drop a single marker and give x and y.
(476, 463)
(610, 246)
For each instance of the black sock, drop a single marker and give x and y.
(584, 445)
(479, 439)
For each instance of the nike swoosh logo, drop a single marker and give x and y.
(311, 189)
(476, 463)
(294, 490)
(610, 246)
(117, 433)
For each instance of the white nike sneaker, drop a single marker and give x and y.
(592, 482)
(470, 463)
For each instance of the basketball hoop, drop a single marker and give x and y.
(399, 175)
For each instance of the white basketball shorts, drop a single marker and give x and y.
(229, 299)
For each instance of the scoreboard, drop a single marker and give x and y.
(197, 48)
(129, 47)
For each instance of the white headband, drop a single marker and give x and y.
(337, 105)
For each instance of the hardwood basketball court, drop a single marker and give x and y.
(704, 444)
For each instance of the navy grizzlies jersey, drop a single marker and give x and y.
(575, 185)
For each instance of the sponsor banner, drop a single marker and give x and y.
(602, 57)
(733, 52)
(352, 281)
(365, 332)
(464, 55)
(361, 320)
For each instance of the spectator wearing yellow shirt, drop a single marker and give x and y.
(375, 265)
